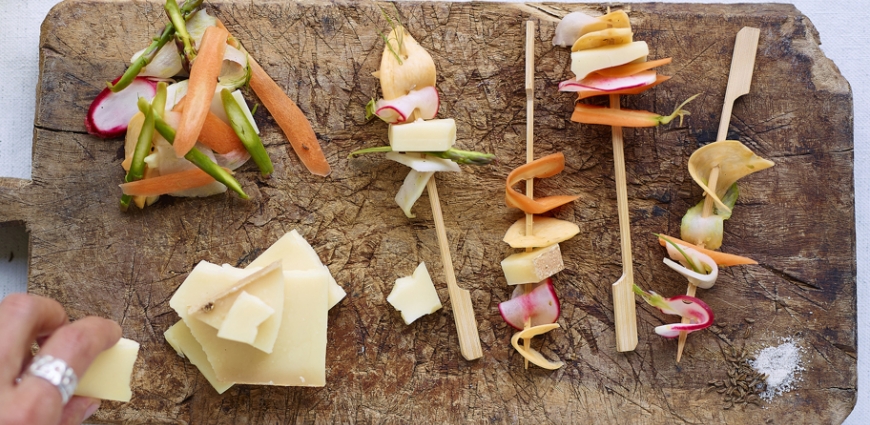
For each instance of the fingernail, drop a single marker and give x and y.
(91, 410)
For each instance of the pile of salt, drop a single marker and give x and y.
(781, 365)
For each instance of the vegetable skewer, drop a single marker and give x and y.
(530, 153)
(739, 79)
(624, 312)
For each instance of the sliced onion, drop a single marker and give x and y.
(198, 23)
(234, 70)
(165, 64)
(568, 29)
(399, 110)
(425, 163)
(411, 190)
(700, 260)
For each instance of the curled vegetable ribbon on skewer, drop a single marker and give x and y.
(544, 167)
(700, 315)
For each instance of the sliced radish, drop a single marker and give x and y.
(599, 82)
(398, 110)
(541, 306)
(700, 315)
(110, 112)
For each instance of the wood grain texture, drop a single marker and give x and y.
(796, 219)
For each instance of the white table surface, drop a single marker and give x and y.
(843, 26)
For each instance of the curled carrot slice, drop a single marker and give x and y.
(168, 183)
(215, 133)
(720, 258)
(632, 68)
(593, 114)
(547, 166)
(204, 75)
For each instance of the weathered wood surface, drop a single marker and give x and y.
(796, 219)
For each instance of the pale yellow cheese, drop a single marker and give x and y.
(436, 135)
(546, 231)
(415, 296)
(299, 355)
(108, 377)
(533, 266)
(246, 314)
(295, 253)
(585, 62)
(180, 338)
(209, 292)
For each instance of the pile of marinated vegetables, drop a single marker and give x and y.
(187, 124)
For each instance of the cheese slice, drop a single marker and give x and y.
(295, 253)
(108, 377)
(415, 296)
(533, 266)
(436, 135)
(180, 338)
(246, 314)
(585, 62)
(210, 290)
(299, 355)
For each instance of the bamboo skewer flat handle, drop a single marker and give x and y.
(624, 313)
(740, 75)
(460, 299)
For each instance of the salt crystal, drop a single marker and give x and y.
(781, 365)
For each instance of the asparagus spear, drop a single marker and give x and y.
(243, 128)
(455, 155)
(177, 19)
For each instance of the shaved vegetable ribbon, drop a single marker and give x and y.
(246, 133)
(531, 354)
(632, 68)
(456, 155)
(547, 166)
(540, 306)
(399, 110)
(592, 114)
(168, 183)
(700, 315)
(610, 84)
(720, 258)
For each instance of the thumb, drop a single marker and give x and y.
(78, 410)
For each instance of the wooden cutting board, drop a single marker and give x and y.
(796, 219)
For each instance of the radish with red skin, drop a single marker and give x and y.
(602, 83)
(399, 110)
(540, 305)
(110, 112)
(700, 315)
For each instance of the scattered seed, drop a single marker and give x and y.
(749, 320)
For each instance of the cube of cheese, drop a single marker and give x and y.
(299, 355)
(415, 296)
(533, 266)
(436, 135)
(210, 291)
(585, 62)
(246, 314)
(180, 338)
(295, 253)
(108, 377)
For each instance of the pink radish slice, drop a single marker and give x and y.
(110, 112)
(598, 82)
(398, 110)
(541, 305)
(698, 312)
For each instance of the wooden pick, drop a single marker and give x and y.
(739, 79)
(460, 299)
(530, 149)
(624, 314)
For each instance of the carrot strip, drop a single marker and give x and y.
(168, 183)
(201, 87)
(290, 118)
(593, 114)
(721, 258)
(585, 93)
(632, 68)
(547, 166)
(215, 133)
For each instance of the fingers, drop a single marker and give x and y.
(23, 318)
(78, 410)
(77, 344)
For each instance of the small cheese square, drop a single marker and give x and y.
(246, 314)
(295, 253)
(533, 266)
(108, 377)
(415, 296)
(585, 62)
(436, 135)
(210, 291)
(180, 338)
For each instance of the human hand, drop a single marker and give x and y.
(31, 400)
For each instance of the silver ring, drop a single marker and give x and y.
(56, 372)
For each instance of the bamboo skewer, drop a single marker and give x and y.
(460, 299)
(530, 148)
(739, 79)
(624, 313)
